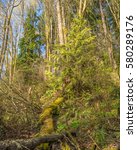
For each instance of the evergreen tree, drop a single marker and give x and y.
(30, 46)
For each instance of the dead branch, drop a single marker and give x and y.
(31, 144)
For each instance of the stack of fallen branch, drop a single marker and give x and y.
(31, 144)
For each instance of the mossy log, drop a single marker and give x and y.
(31, 144)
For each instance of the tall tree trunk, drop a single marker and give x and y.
(82, 7)
(22, 11)
(113, 11)
(103, 18)
(63, 23)
(11, 65)
(48, 30)
(60, 24)
(5, 42)
(108, 40)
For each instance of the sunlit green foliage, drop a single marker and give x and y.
(52, 86)
(90, 95)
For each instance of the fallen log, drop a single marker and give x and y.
(31, 144)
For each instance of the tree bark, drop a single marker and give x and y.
(82, 7)
(60, 24)
(31, 144)
(108, 39)
(103, 18)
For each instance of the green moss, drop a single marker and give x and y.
(65, 146)
(46, 113)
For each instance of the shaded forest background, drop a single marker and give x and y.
(59, 71)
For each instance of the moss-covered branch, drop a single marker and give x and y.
(30, 144)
